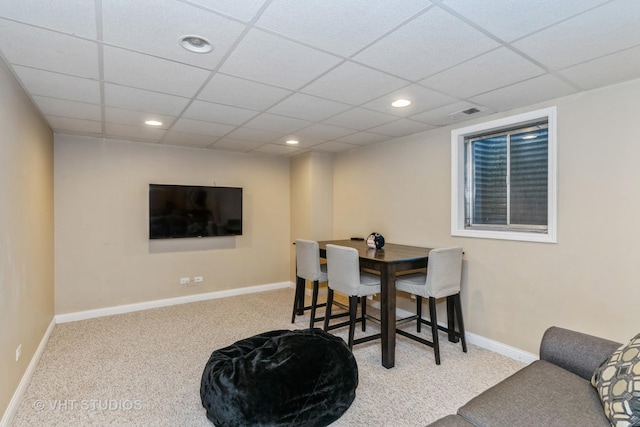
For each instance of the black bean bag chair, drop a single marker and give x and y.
(280, 378)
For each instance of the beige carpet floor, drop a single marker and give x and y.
(144, 368)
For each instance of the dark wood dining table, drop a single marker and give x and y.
(389, 261)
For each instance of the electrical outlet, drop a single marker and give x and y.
(185, 281)
(18, 352)
(198, 279)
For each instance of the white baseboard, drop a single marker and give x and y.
(480, 341)
(16, 399)
(500, 348)
(128, 308)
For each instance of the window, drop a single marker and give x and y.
(504, 178)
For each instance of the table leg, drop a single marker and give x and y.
(388, 314)
(451, 319)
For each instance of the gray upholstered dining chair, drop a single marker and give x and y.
(308, 267)
(343, 268)
(444, 273)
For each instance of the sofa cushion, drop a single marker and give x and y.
(574, 351)
(617, 380)
(541, 394)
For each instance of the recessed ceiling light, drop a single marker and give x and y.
(196, 44)
(399, 103)
(153, 123)
(292, 142)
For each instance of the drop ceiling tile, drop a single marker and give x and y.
(255, 135)
(337, 26)
(135, 118)
(155, 27)
(147, 72)
(187, 139)
(402, 127)
(64, 108)
(276, 123)
(360, 119)
(405, 38)
(614, 68)
(334, 147)
(322, 131)
(495, 69)
(510, 21)
(237, 92)
(244, 10)
(209, 112)
(430, 43)
(137, 133)
(71, 16)
(604, 30)
(266, 58)
(201, 128)
(421, 98)
(525, 93)
(62, 86)
(308, 107)
(70, 125)
(352, 83)
(236, 144)
(449, 114)
(363, 138)
(276, 149)
(143, 100)
(34, 47)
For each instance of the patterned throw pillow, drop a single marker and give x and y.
(617, 380)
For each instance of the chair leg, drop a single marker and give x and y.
(458, 308)
(363, 301)
(314, 303)
(434, 328)
(419, 313)
(296, 299)
(327, 313)
(353, 309)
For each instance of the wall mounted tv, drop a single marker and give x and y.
(178, 211)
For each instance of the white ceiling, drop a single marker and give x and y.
(324, 71)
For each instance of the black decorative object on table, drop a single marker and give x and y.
(280, 378)
(375, 240)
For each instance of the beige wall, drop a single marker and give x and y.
(26, 232)
(513, 291)
(322, 196)
(312, 196)
(311, 199)
(103, 254)
(301, 200)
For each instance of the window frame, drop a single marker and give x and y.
(458, 199)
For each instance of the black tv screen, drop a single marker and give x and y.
(177, 211)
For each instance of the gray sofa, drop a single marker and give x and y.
(553, 391)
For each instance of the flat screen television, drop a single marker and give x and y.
(179, 211)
